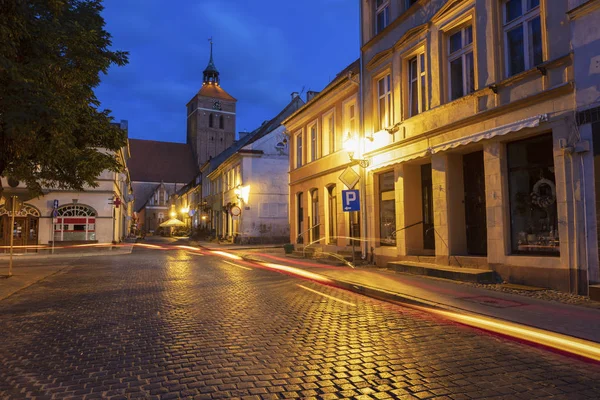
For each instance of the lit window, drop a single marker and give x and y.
(384, 105)
(416, 85)
(460, 60)
(299, 150)
(314, 143)
(382, 15)
(523, 35)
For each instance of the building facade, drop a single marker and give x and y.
(318, 132)
(475, 155)
(99, 214)
(245, 188)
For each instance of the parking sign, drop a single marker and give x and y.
(351, 200)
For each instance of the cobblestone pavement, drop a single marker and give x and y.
(175, 325)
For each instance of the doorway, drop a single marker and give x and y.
(427, 207)
(25, 232)
(475, 212)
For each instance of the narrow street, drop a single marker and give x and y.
(174, 324)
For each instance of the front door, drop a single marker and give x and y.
(19, 233)
(475, 213)
(427, 207)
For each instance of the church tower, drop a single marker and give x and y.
(210, 116)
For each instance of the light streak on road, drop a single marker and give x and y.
(298, 272)
(188, 248)
(228, 255)
(328, 296)
(580, 347)
(239, 266)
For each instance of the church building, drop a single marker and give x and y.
(210, 117)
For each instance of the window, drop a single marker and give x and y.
(350, 121)
(332, 217)
(523, 35)
(221, 122)
(273, 210)
(298, 150)
(329, 133)
(416, 85)
(210, 121)
(460, 60)
(314, 216)
(314, 142)
(384, 104)
(532, 190)
(382, 15)
(75, 222)
(299, 218)
(387, 209)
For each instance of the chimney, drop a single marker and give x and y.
(294, 95)
(311, 95)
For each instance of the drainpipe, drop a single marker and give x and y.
(363, 176)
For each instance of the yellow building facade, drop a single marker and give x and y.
(474, 155)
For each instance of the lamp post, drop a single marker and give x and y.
(355, 149)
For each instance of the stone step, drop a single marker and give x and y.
(444, 271)
(595, 292)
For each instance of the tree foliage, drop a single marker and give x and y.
(52, 132)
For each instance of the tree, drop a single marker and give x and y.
(52, 132)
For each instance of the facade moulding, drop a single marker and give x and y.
(548, 94)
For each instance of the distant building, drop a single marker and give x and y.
(158, 170)
(210, 117)
(245, 188)
(97, 215)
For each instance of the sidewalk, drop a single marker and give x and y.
(26, 275)
(571, 320)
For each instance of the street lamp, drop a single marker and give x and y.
(173, 214)
(352, 146)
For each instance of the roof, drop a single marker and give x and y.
(211, 90)
(350, 70)
(264, 129)
(153, 161)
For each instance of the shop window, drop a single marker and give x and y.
(532, 187)
(387, 209)
(75, 222)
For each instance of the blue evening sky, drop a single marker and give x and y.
(264, 50)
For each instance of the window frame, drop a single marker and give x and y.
(462, 54)
(347, 119)
(299, 153)
(313, 143)
(383, 8)
(523, 21)
(328, 137)
(386, 77)
(419, 53)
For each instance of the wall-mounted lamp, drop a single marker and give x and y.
(351, 145)
(242, 192)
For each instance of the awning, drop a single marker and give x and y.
(398, 156)
(172, 222)
(490, 133)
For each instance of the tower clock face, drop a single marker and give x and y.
(217, 105)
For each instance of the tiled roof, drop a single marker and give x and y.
(153, 161)
(210, 90)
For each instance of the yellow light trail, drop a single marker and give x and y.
(298, 272)
(564, 343)
(188, 248)
(228, 255)
(235, 265)
(328, 296)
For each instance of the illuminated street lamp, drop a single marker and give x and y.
(173, 214)
(352, 146)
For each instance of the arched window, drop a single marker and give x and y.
(221, 122)
(75, 222)
(210, 121)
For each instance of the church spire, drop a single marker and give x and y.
(211, 74)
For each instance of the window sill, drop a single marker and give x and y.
(538, 69)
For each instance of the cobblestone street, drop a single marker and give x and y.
(177, 324)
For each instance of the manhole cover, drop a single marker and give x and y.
(492, 301)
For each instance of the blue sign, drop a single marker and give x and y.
(350, 200)
(55, 203)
